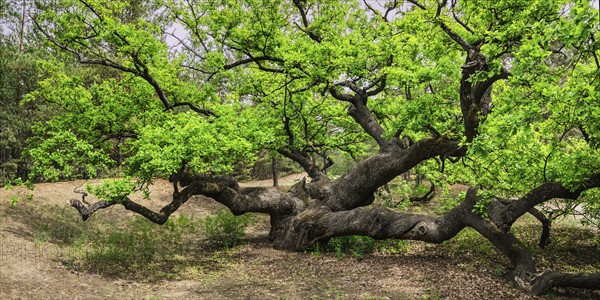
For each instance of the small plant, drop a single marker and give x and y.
(431, 295)
(450, 203)
(225, 229)
(359, 246)
(498, 271)
(22, 194)
(355, 245)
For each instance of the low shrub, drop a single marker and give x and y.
(226, 229)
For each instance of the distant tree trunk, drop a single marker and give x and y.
(274, 171)
(21, 49)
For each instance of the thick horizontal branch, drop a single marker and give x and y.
(507, 215)
(261, 200)
(86, 211)
(381, 223)
(543, 282)
(320, 223)
(341, 96)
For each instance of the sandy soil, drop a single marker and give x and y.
(33, 270)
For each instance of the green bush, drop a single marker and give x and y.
(225, 229)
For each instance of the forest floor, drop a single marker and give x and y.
(47, 252)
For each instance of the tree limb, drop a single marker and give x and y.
(506, 216)
(542, 283)
(455, 37)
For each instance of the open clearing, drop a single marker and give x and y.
(47, 252)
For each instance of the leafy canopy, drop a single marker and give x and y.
(207, 84)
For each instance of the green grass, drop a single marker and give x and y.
(136, 247)
(182, 248)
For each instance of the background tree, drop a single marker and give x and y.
(498, 95)
(19, 50)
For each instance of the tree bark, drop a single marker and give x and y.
(543, 282)
(274, 171)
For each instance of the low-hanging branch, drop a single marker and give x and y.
(507, 215)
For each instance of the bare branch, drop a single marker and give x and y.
(304, 160)
(380, 86)
(255, 60)
(459, 21)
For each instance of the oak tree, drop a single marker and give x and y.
(499, 95)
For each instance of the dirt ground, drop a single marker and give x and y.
(30, 269)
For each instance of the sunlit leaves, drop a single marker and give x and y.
(205, 146)
(113, 189)
(266, 68)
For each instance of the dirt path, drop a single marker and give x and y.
(34, 268)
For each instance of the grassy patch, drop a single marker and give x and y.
(58, 225)
(358, 246)
(225, 229)
(135, 247)
(139, 247)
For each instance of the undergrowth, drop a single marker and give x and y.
(225, 229)
(138, 247)
(358, 246)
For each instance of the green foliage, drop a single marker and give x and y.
(355, 245)
(18, 77)
(591, 205)
(449, 203)
(225, 229)
(270, 83)
(113, 189)
(22, 193)
(399, 196)
(481, 206)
